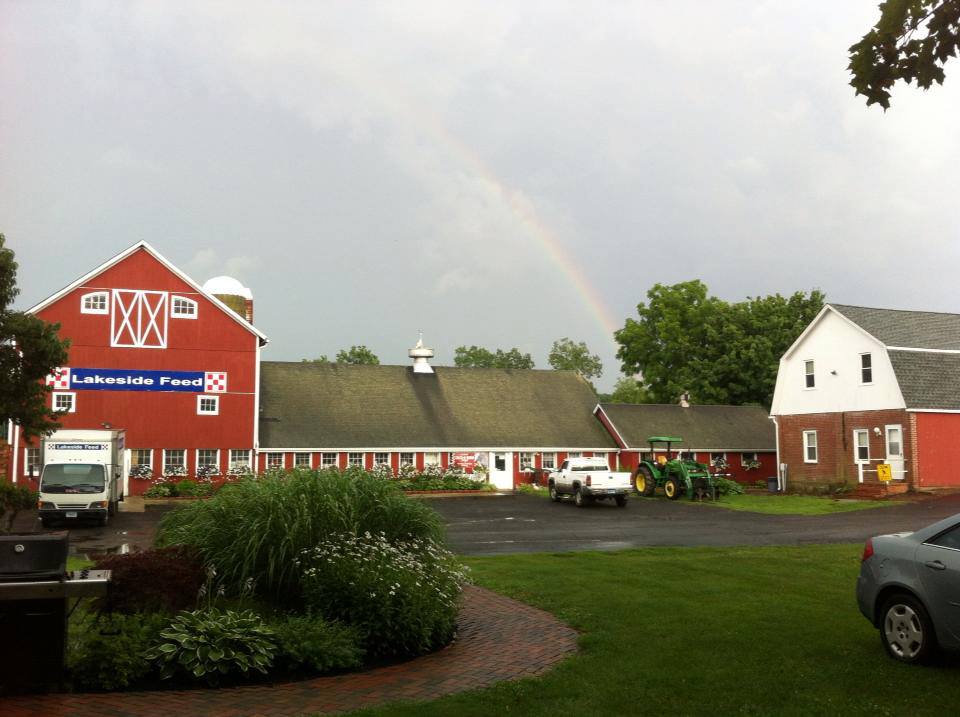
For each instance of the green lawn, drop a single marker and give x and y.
(700, 631)
(793, 504)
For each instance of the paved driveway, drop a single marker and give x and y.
(496, 525)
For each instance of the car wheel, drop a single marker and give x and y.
(906, 631)
(621, 501)
(554, 495)
(579, 498)
(643, 481)
(671, 488)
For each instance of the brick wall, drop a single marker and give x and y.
(835, 460)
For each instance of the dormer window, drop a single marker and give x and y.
(94, 303)
(808, 374)
(183, 308)
(866, 368)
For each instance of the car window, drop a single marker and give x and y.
(563, 466)
(947, 539)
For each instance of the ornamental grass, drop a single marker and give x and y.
(258, 527)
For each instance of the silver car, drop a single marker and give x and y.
(909, 588)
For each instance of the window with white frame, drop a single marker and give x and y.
(328, 460)
(301, 460)
(809, 446)
(810, 380)
(381, 459)
(431, 459)
(208, 457)
(355, 460)
(866, 368)
(64, 402)
(527, 461)
(183, 308)
(208, 405)
(861, 445)
(894, 442)
(96, 302)
(574, 454)
(748, 460)
(718, 460)
(31, 461)
(548, 460)
(141, 457)
(175, 461)
(406, 459)
(274, 461)
(239, 460)
(601, 456)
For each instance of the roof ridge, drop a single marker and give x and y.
(902, 311)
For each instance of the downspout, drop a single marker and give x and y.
(16, 452)
(781, 478)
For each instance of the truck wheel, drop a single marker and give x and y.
(579, 498)
(672, 488)
(643, 481)
(104, 519)
(554, 495)
(621, 501)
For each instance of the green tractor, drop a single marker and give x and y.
(676, 476)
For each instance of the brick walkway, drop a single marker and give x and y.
(499, 639)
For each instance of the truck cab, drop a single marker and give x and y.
(82, 476)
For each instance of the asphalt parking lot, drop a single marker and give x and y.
(501, 524)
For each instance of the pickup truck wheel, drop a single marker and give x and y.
(46, 522)
(554, 495)
(643, 481)
(621, 501)
(671, 488)
(579, 498)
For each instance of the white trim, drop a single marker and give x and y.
(612, 424)
(256, 401)
(454, 449)
(139, 305)
(336, 459)
(159, 257)
(231, 462)
(856, 446)
(886, 440)
(97, 312)
(308, 454)
(812, 374)
(196, 458)
(26, 464)
(932, 410)
(266, 460)
(863, 368)
(206, 397)
(923, 351)
(816, 446)
(16, 449)
(174, 314)
(149, 450)
(363, 458)
(73, 401)
(163, 457)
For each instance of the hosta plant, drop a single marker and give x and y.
(211, 643)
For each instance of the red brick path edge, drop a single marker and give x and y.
(498, 639)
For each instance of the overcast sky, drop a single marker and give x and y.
(500, 174)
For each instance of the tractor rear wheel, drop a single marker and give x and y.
(671, 488)
(643, 481)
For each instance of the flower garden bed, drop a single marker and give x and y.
(284, 576)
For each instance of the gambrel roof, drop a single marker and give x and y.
(705, 428)
(327, 405)
(906, 329)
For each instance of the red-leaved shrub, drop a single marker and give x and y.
(157, 580)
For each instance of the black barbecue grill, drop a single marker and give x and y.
(35, 588)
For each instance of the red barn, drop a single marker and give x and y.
(155, 354)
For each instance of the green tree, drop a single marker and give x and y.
(911, 41)
(628, 390)
(357, 355)
(686, 340)
(568, 355)
(30, 350)
(478, 357)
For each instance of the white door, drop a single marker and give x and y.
(894, 440)
(501, 470)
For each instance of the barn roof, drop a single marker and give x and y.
(707, 428)
(323, 405)
(907, 329)
(928, 380)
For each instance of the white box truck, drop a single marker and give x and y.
(82, 476)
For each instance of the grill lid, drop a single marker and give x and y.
(32, 556)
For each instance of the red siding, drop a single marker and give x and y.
(938, 457)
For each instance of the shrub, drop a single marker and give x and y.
(725, 486)
(403, 596)
(308, 641)
(159, 490)
(761, 484)
(164, 579)
(14, 498)
(258, 527)
(191, 489)
(212, 643)
(108, 651)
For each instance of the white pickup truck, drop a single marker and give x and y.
(588, 479)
